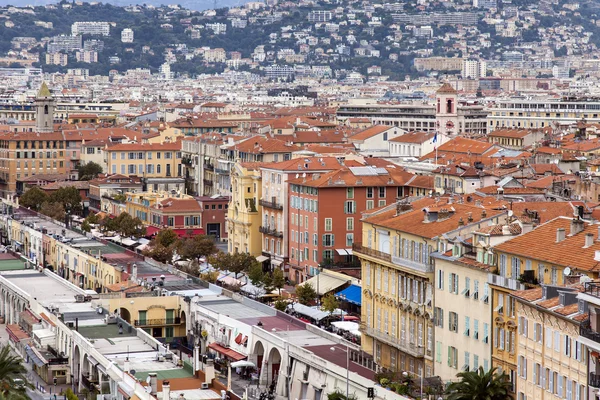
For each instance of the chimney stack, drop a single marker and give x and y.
(560, 235)
(589, 240)
(153, 383)
(577, 225)
(166, 390)
(461, 222)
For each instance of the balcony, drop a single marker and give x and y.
(209, 167)
(371, 252)
(592, 288)
(222, 171)
(587, 332)
(207, 182)
(507, 283)
(594, 380)
(409, 348)
(269, 231)
(424, 268)
(270, 204)
(157, 321)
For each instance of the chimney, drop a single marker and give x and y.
(153, 383)
(129, 268)
(483, 214)
(560, 235)
(166, 390)
(461, 222)
(506, 230)
(589, 240)
(577, 226)
(470, 217)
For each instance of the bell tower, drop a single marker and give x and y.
(446, 110)
(44, 110)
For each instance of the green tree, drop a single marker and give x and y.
(162, 247)
(337, 395)
(85, 226)
(166, 237)
(196, 247)
(236, 262)
(93, 219)
(69, 198)
(89, 171)
(306, 294)
(480, 385)
(128, 226)
(278, 280)
(11, 368)
(329, 303)
(53, 210)
(256, 275)
(280, 305)
(33, 198)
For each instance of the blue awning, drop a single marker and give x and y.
(34, 357)
(352, 294)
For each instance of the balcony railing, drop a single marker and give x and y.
(594, 380)
(592, 288)
(270, 204)
(371, 252)
(269, 231)
(587, 332)
(157, 321)
(209, 167)
(207, 182)
(425, 268)
(222, 171)
(410, 348)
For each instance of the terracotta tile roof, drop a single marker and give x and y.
(370, 132)
(529, 294)
(413, 222)
(413, 137)
(510, 133)
(493, 190)
(541, 169)
(546, 210)
(498, 229)
(548, 150)
(115, 178)
(311, 164)
(262, 145)
(548, 181)
(549, 303)
(45, 177)
(446, 88)
(472, 262)
(587, 145)
(174, 205)
(346, 178)
(568, 310)
(323, 136)
(570, 252)
(338, 148)
(458, 170)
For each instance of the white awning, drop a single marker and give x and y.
(310, 312)
(141, 247)
(324, 283)
(261, 258)
(128, 242)
(341, 252)
(349, 251)
(277, 263)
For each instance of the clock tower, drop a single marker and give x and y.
(446, 111)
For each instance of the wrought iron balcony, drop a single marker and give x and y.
(402, 345)
(270, 204)
(157, 321)
(587, 332)
(207, 182)
(592, 288)
(594, 380)
(270, 231)
(222, 171)
(358, 247)
(209, 167)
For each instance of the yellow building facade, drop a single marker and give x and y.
(147, 160)
(244, 212)
(551, 361)
(159, 316)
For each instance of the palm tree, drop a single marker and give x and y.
(11, 368)
(480, 385)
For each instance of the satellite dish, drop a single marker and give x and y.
(510, 213)
(148, 379)
(567, 271)
(148, 389)
(132, 372)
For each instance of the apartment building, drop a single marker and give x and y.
(275, 204)
(326, 207)
(589, 336)
(398, 278)
(158, 164)
(105, 187)
(159, 210)
(551, 360)
(521, 113)
(90, 28)
(570, 245)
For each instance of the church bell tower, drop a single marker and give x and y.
(44, 110)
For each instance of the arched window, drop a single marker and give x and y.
(449, 106)
(46, 109)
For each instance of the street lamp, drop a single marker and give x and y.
(347, 369)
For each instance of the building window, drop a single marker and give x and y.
(349, 207)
